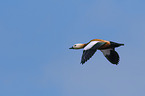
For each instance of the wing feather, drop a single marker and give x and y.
(88, 53)
(111, 55)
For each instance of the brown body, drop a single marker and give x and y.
(105, 46)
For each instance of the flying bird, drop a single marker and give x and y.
(106, 47)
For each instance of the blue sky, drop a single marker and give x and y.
(35, 36)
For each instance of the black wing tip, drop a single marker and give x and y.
(115, 63)
(82, 62)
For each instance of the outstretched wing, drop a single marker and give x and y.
(111, 55)
(90, 49)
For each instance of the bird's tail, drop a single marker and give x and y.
(116, 44)
(121, 44)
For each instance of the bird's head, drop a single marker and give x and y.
(78, 46)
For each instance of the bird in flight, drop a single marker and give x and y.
(106, 47)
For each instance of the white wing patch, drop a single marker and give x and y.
(106, 51)
(90, 45)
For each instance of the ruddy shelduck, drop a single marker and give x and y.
(106, 47)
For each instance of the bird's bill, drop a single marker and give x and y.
(71, 48)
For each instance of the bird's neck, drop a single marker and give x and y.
(84, 45)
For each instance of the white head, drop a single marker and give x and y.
(78, 46)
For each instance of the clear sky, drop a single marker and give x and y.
(35, 36)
